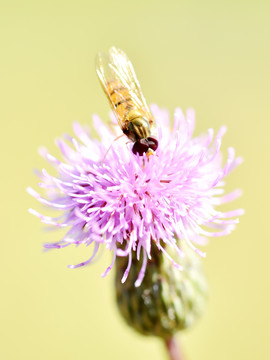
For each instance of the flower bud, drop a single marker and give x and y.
(168, 299)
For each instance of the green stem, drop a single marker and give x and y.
(173, 349)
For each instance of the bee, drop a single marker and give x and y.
(123, 90)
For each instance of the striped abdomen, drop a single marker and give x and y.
(121, 98)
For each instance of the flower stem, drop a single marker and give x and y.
(173, 349)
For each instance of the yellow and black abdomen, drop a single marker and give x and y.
(121, 98)
(133, 122)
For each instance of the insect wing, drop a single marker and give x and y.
(126, 74)
(108, 77)
(118, 79)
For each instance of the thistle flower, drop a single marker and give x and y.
(130, 203)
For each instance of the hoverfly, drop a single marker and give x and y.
(123, 90)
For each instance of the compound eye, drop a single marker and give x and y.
(140, 147)
(153, 143)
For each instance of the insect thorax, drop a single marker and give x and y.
(137, 126)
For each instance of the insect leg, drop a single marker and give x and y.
(118, 137)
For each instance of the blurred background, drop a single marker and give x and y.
(213, 56)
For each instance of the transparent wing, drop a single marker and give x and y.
(108, 80)
(120, 83)
(127, 76)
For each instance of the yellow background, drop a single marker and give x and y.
(211, 55)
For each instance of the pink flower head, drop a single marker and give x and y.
(129, 202)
